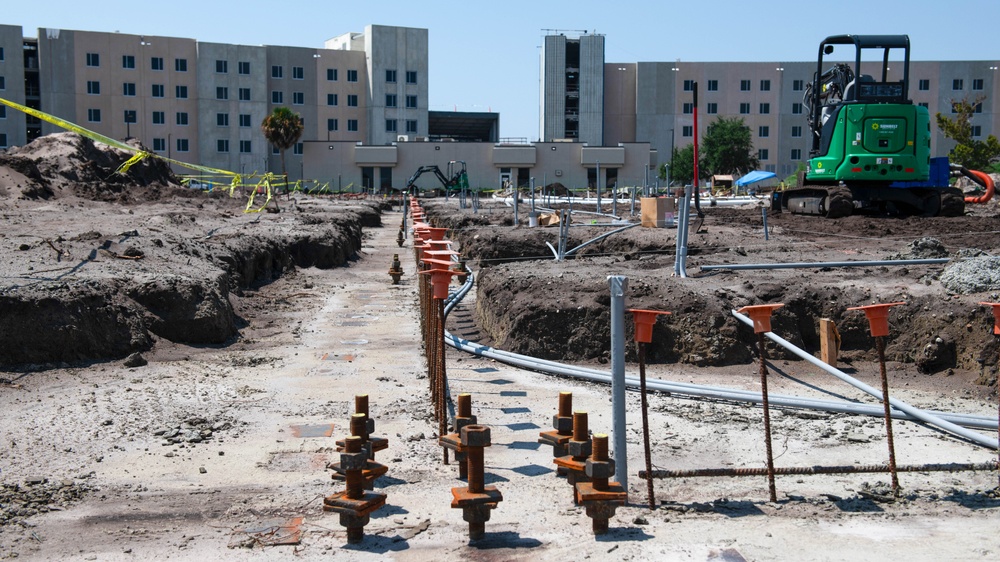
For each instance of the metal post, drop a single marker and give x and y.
(763, 214)
(597, 184)
(614, 200)
(515, 203)
(532, 195)
(618, 285)
(645, 424)
(880, 345)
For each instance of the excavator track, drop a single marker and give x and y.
(828, 201)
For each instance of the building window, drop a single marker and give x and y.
(1, 59)
(411, 126)
(977, 131)
(352, 75)
(128, 89)
(713, 85)
(411, 76)
(332, 99)
(411, 102)
(297, 149)
(93, 88)
(957, 84)
(244, 119)
(274, 150)
(130, 116)
(298, 98)
(181, 65)
(94, 115)
(924, 85)
(222, 93)
(390, 100)
(352, 125)
(331, 74)
(797, 85)
(796, 109)
(744, 85)
(765, 85)
(156, 63)
(277, 71)
(390, 126)
(688, 85)
(182, 145)
(977, 83)
(763, 131)
(352, 100)
(182, 92)
(390, 76)
(3, 136)
(128, 61)
(688, 108)
(765, 108)
(3, 111)
(244, 94)
(222, 119)
(222, 67)
(182, 118)
(245, 147)
(222, 145)
(796, 154)
(277, 97)
(744, 108)
(687, 131)
(332, 125)
(762, 154)
(159, 145)
(243, 67)
(159, 118)
(796, 131)
(298, 73)
(157, 90)
(978, 108)
(93, 59)
(954, 108)
(3, 84)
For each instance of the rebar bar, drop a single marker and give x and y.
(880, 346)
(645, 424)
(807, 470)
(767, 419)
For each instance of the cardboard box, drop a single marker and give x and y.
(657, 212)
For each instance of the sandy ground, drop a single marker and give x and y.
(277, 399)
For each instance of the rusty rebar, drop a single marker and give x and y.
(464, 406)
(600, 454)
(353, 478)
(442, 378)
(645, 424)
(880, 346)
(361, 404)
(565, 404)
(359, 427)
(767, 419)
(808, 470)
(580, 430)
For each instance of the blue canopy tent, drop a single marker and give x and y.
(754, 177)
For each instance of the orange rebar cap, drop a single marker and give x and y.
(761, 316)
(644, 320)
(878, 317)
(440, 279)
(437, 233)
(996, 315)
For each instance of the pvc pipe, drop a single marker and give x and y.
(618, 285)
(601, 237)
(921, 415)
(795, 265)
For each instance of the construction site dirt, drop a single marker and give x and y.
(176, 373)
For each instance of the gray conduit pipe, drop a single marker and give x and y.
(800, 265)
(921, 415)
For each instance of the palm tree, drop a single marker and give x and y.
(282, 128)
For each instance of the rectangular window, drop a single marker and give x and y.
(352, 100)
(411, 76)
(978, 108)
(182, 92)
(687, 131)
(796, 131)
(954, 108)
(3, 136)
(156, 63)
(688, 108)
(128, 61)
(763, 131)
(93, 88)
(245, 147)
(277, 71)
(128, 89)
(411, 126)
(411, 102)
(713, 85)
(977, 83)
(796, 109)
(159, 145)
(352, 124)
(222, 67)
(796, 154)
(222, 119)
(181, 65)
(390, 76)
(274, 150)
(182, 145)
(243, 67)
(298, 98)
(297, 149)
(352, 75)
(711, 108)
(1, 58)
(331, 74)
(332, 125)
(765, 85)
(93, 59)
(957, 84)
(244, 94)
(924, 84)
(977, 130)
(182, 118)
(3, 111)
(244, 119)
(94, 115)
(277, 97)
(797, 85)
(390, 126)
(159, 118)
(688, 85)
(222, 93)
(765, 108)
(744, 85)
(390, 100)
(222, 145)
(332, 99)
(744, 108)
(130, 116)
(3, 84)
(298, 73)
(762, 154)
(157, 90)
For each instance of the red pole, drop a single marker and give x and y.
(695, 182)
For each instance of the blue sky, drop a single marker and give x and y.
(485, 55)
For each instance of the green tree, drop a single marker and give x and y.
(282, 128)
(682, 166)
(728, 147)
(969, 152)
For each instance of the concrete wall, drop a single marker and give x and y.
(553, 110)
(592, 89)
(398, 49)
(12, 125)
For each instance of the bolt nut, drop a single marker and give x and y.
(579, 448)
(563, 424)
(353, 461)
(600, 469)
(463, 422)
(476, 436)
(370, 426)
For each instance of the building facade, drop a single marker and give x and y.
(573, 89)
